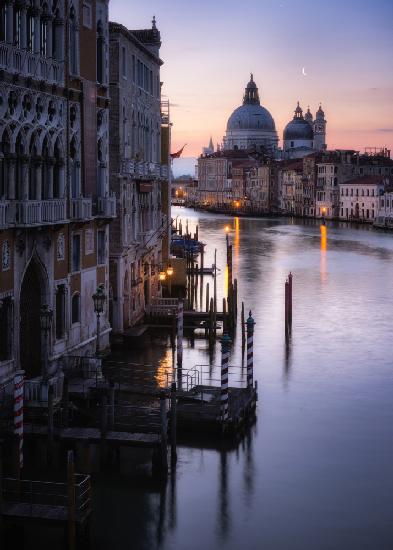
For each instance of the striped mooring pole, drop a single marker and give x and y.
(250, 350)
(18, 413)
(225, 345)
(180, 321)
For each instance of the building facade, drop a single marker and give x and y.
(360, 198)
(139, 172)
(54, 189)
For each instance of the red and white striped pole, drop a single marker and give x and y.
(225, 344)
(250, 350)
(180, 322)
(18, 413)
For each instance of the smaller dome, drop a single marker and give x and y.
(298, 128)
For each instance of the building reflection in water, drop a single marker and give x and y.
(223, 498)
(323, 267)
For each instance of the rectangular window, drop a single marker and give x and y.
(133, 68)
(60, 311)
(87, 15)
(76, 252)
(101, 252)
(123, 62)
(5, 329)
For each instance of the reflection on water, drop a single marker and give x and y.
(323, 229)
(316, 471)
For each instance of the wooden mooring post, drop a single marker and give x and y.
(66, 402)
(71, 530)
(164, 434)
(290, 298)
(50, 424)
(243, 323)
(173, 424)
(104, 427)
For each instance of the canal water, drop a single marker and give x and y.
(315, 472)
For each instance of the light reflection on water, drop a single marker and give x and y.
(315, 471)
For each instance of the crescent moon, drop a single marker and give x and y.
(304, 71)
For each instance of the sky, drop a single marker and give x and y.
(209, 49)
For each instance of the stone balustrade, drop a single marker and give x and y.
(81, 209)
(106, 207)
(30, 213)
(23, 62)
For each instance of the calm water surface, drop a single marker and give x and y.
(316, 470)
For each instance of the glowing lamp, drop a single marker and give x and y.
(169, 270)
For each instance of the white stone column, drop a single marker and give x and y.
(24, 184)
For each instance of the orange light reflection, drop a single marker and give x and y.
(323, 266)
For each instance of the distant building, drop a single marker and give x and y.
(139, 172)
(384, 217)
(359, 198)
(302, 135)
(251, 125)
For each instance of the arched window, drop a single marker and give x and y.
(3, 15)
(73, 48)
(100, 53)
(44, 31)
(76, 308)
(56, 172)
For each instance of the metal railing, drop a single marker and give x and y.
(84, 367)
(163, 306)
(48, 493)
(36, 390)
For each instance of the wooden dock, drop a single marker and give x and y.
(199, 408)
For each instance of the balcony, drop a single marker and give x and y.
(7, 214)
(81, 209)
(106, 207)
(36, 390)
(29, 64)
(30, 213)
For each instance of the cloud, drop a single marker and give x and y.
(174, 105)
(385, 130)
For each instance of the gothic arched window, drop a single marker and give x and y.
(73, 48)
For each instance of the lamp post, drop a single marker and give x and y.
(169, 272)
(99, 298)
(46, 317)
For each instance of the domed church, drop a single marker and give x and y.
(303, 135)
(251, 124)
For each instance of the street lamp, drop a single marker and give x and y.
(46, 317)
(169, 272)
(99, 298)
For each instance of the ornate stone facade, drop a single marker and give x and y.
(54, 190)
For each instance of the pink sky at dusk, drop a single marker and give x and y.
(210, 48)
